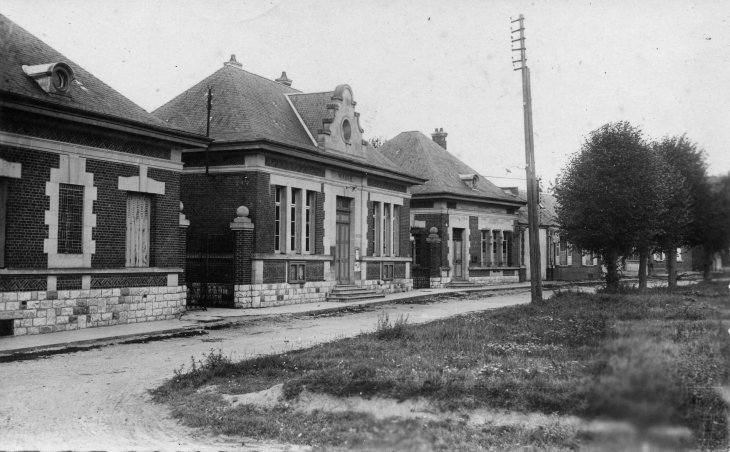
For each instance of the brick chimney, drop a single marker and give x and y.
(284, 80)
(439, 136)
(233, 62)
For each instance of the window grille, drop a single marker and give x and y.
(70, 219)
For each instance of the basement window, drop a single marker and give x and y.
(6, 327)
(388, 272)
(297, 272)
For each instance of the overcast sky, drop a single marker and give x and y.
(418, 65)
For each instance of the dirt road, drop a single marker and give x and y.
(98, 399)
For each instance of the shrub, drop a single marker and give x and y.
(397, 330)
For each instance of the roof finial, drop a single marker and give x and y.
(232, 62)
(284, 80)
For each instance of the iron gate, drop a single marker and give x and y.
(421, 268)
(209, 271)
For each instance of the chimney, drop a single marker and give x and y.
(233, 62)
(284, 80)
(439, 136)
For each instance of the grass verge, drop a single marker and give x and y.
(650, 359)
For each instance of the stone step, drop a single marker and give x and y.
(457, 284)
(357, 297)
(353, 290)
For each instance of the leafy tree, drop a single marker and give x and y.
(376, 142)
(714, 229)
(685, 174)
(611, 196)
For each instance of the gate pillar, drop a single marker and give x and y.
(242, 228)
(434, 242)
(182, 244)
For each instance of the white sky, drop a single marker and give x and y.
(418, 65)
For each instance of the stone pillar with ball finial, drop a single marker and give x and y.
(242, 228)
(182, 241)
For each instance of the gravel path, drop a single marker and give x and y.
(98, 399)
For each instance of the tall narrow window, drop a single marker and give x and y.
(308, 223)
(70, 219)
(378, 225)
(295, 212)
(485, 247)
(504, 249)
(138, 230)
(3, 217)
(569, 252)
(563, 252)
(278, 219)
(387, 237)
(396, 230)
(493, 257)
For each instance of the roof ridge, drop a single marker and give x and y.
(261, 76)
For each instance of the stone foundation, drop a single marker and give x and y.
(394, 286)
(268, 295)
(65, 310)
(494, 280)
(439, 282)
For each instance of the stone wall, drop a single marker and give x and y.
(282, 294)
(494, 280)
(65, 310)
(386, 287)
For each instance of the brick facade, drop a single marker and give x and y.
(405, 229)
(475, 241)
(26, 207)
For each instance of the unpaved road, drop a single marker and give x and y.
(98, 399)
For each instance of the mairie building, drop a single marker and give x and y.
(464, 228)
(288, 196)
(90, 227)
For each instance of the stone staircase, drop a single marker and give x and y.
(351, 292)
(459, 284)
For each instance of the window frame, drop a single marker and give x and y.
(70, 198)
(278, 218)
(387, 271)
(301, 272)
(148, 205)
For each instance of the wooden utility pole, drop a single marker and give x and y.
(533, 211)
(208, 107)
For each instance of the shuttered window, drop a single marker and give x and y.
(138, 230)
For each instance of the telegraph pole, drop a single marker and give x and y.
(208, 106)
(533, 212)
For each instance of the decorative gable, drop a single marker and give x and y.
(341, 131)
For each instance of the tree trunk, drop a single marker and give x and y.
(672, 267)
(706, 264)
(612, 277)
(643, 257)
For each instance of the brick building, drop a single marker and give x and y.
(310, 203)
(89, 197)
(464, 228)
(559, 261)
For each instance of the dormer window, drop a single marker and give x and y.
(470, 180)
(53, 78)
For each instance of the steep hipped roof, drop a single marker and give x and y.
(245, 107)
(415, 152)
(248, 107)
(547, 209)
(87, 94)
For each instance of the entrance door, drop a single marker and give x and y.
(458, 254)
(342, 249)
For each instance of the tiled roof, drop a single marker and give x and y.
(415, 152)
(18, 47)
(547, 209)
(312, 107)
(245, 107)
(248, 107)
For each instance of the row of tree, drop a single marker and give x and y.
(623, 194)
